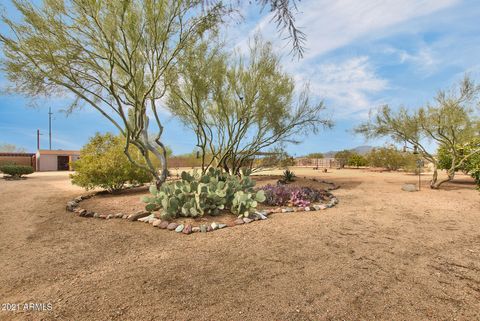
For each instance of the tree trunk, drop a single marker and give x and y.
(161, 156)
(437, 184)
(450, 175)
(160, 179)
(433, 182)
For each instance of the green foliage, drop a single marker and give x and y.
(104, 164)
(288, 176)
(470, 165)
(239, 107)
(444, 157)
(356, 160)
(195, 195)
(343, 156)
(473, 168)
(392, 159)
(16, 171)
(315, 155)
(350, 158)
(449, 122)
(114, 56)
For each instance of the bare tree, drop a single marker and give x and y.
(10, 148)
(240, 107)
(112, 55)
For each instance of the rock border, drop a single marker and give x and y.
(148, 217)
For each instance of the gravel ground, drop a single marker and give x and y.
(380, 254)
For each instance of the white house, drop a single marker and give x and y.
(56, 160)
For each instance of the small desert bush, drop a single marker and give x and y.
(104, 164)
(357, 160)
(288, 176)
(392, 159)
(16, 171)
(282, 195)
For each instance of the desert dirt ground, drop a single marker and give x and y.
(381, 253)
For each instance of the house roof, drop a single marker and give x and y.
(58, 152)
(17, 154)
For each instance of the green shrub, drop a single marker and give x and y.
(104, 164)
(342, 157)
(196, 195)
(357, 160)
(470, 166)
(315, 155)
(473, 168)
(392, 159)
(16, 171)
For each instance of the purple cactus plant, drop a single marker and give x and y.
(281, 195)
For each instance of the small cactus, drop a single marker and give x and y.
(196, 194)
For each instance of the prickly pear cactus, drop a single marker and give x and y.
(196, 195)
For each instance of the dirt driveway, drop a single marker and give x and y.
(380, 254)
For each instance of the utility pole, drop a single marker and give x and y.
(50, 127)
(38, 139)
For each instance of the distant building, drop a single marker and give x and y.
(56, 160)
(27, 159)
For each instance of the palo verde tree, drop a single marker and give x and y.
(239, 107)
(283, 14)
(111, 55)
(470, 165)
(450, 122)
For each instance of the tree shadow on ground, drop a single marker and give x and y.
(459, 184)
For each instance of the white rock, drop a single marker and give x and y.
(261, 216)
(409, 187)
(146, 218)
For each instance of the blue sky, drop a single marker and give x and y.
(360, 55)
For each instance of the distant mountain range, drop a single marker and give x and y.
(362, 150)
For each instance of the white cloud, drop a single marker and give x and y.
(333, 24)
(350, 85)
(424, 59)
(347, 85)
